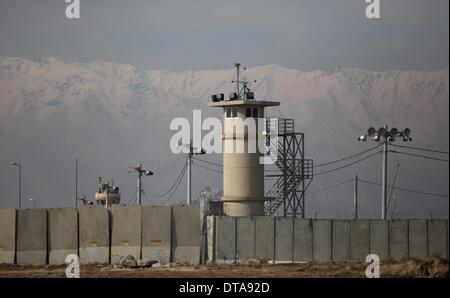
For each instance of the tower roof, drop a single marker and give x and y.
(241, 102)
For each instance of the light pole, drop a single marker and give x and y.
(34, 202)
(386, 136)
(191, 151)
(139, 171)
(20, 182)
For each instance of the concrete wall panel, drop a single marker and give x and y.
(379, 238)
(398, 239)
(284, 239)
(246, 237)
(32, 237)
(322, 240)
(360, 240)
(62, 234)
(126, 225)
(264, 237)
(303, 245)
(156, 233)
(340, 240)
(417, 237)
(7, 235)
(225, 239)
(94, 231)
(438, 238)
(186, 234)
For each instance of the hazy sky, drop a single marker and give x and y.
(195, 34)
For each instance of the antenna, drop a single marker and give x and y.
(248, 94)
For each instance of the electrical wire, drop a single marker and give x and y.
(208, 162)
(418, 155)
(173, 185)
(330, 186)
(135, 192)
(347, 165)
(345, 158)
(406, 189)
(421, 149)
(206, 168)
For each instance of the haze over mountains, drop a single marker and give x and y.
(111, 116)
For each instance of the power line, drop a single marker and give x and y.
(208, 162)
(173, 185)
(135, 192)
(406, 189)
(348, 157)
(418, 155)
(206, 168)
(221, 165)
(331, 186)
(421, 149)
(347, 165)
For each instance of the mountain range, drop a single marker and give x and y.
(110, 116)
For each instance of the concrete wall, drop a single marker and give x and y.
(172, 234)
(32, 237)
(379, 238)
(360, 240)
(94, 234)
(156, 233)
(322, 240)
(341, 240)
(398, 239)
(303, 240)
(438, 238)
(62, 234)
(225, 239)
(125, 232)
(7, 235)
(246, 238)
(264, 237)
(186, 234)
(303, 244)
(418, 237)
(284, 239)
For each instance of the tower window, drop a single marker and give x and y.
(251, 112)
(231, 112)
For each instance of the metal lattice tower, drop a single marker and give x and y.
(296, 171)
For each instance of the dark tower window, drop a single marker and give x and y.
(251, 112)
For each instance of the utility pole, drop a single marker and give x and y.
(189, 184)
(139, 171)
(191, 151)
(384, 181)
(76, 183)
(355, 197)
(386, 137)
(16, 164)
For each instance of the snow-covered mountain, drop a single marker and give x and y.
(113, 115)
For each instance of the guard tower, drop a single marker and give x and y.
(243, 173)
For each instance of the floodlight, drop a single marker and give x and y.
(362, 138)
(381, 131)
(376, 138)
(406, 132)
(371, 131)
(393, 132)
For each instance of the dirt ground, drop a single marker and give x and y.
(424, 267)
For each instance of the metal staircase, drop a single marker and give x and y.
(296, 171)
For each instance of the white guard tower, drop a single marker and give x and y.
(243, 174)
